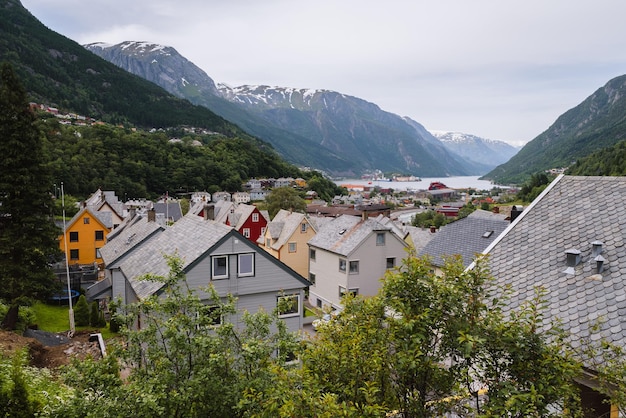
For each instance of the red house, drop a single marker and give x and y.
(249, 221)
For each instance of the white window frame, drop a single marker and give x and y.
(246, 232)
(255, 217)
(303, 227)
(248, 273)
(214, 259)
(289, 314)
(343, 291)
(343, 265)
(393, 262)
(353, 263)
(380, 239)
(312, 254)
(292, 247)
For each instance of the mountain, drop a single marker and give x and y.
(59, 72)
(486, 153)
(324, 129)
(598, 122)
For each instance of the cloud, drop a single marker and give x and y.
(500, 70)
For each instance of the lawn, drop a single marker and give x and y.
(56, 318)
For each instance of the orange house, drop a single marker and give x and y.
(85, 233)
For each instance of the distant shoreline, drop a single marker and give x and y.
(458, 182)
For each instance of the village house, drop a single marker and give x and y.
(570, 242)
(466, 237)
(106, 201)
(286, 238)
(249, 221)
(350, 254)
(241, 197)
(85, 234)
(212, 254)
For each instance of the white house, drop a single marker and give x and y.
(351, 254)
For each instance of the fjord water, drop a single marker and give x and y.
(459, 182)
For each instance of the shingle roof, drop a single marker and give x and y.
(344, 234)
(188, 238)
(131, 234)
(170, 209)
(466, 237)
(286, 223)
(572, 212)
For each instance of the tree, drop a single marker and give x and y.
(28, 236)
(286, 198)
(81, 312)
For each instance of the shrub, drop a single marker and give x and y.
(81, 312)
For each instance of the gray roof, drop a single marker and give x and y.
(466, 237)
(419, 236)
(571, 213)
(133, 233)
(169, 210)
(189, 238)
(345, 233)
(283, 226)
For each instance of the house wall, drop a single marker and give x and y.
(255, 227)
(86, 244)
(260, 290)
(298, 260)
(372, 260)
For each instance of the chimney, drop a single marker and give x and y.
(433, 229)
(152, 215)
(209, 212)
(596, 248)
(573, 258)
(131, 213)
(515, 212)
(496, 209)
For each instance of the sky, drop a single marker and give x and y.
(497, 69)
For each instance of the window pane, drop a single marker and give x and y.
(391, 262)
(288, 305)
(354, 266)
(246, 264)
(220, 266)
(73, 236)
(342, 265)
(73, 254)
(380, 238)
(99, 235)
(292, 247)
(312, 278)
(312, 254)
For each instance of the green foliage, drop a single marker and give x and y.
(429, 218)
(96, 316)
(29, 237)
(610, 161)
(533, 187)
(286, 198)
(26, 316)
(81, 312)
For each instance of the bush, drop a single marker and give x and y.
(81, 312)
(96, 316)
(26, 316)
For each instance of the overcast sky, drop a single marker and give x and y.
(497, 69)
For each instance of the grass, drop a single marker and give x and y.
(56, 318)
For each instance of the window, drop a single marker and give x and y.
(209, 316)
(343, 292)
(73, 254)
(99, 235)
(220, 267)
(380, 238)
(246, 232)
(268, 242)
(391, 262)
(86, 221)
(73, 236)
(303, 228)
(312, 254)
(245, 265)
(318, 303)
(292, 247)
(255, 217)
(288, 305)
(312, 278)
(98, 255)
(354, 267)
(342, 265)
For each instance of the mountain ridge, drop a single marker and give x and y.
(357, 134)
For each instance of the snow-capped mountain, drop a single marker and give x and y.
(323, 129)
(487, 152)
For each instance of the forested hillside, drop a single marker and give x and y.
(141, 164)
(609, 161)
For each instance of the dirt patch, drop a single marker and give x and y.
(51, 356)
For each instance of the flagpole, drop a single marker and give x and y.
(67, 268)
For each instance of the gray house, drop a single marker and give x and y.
(350, 254)
(466, 237)
(571, 242)
(212, 253)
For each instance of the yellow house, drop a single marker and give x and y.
(286, 238)
(85, 234)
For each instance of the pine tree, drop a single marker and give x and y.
(28, 236)
(81, 312)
